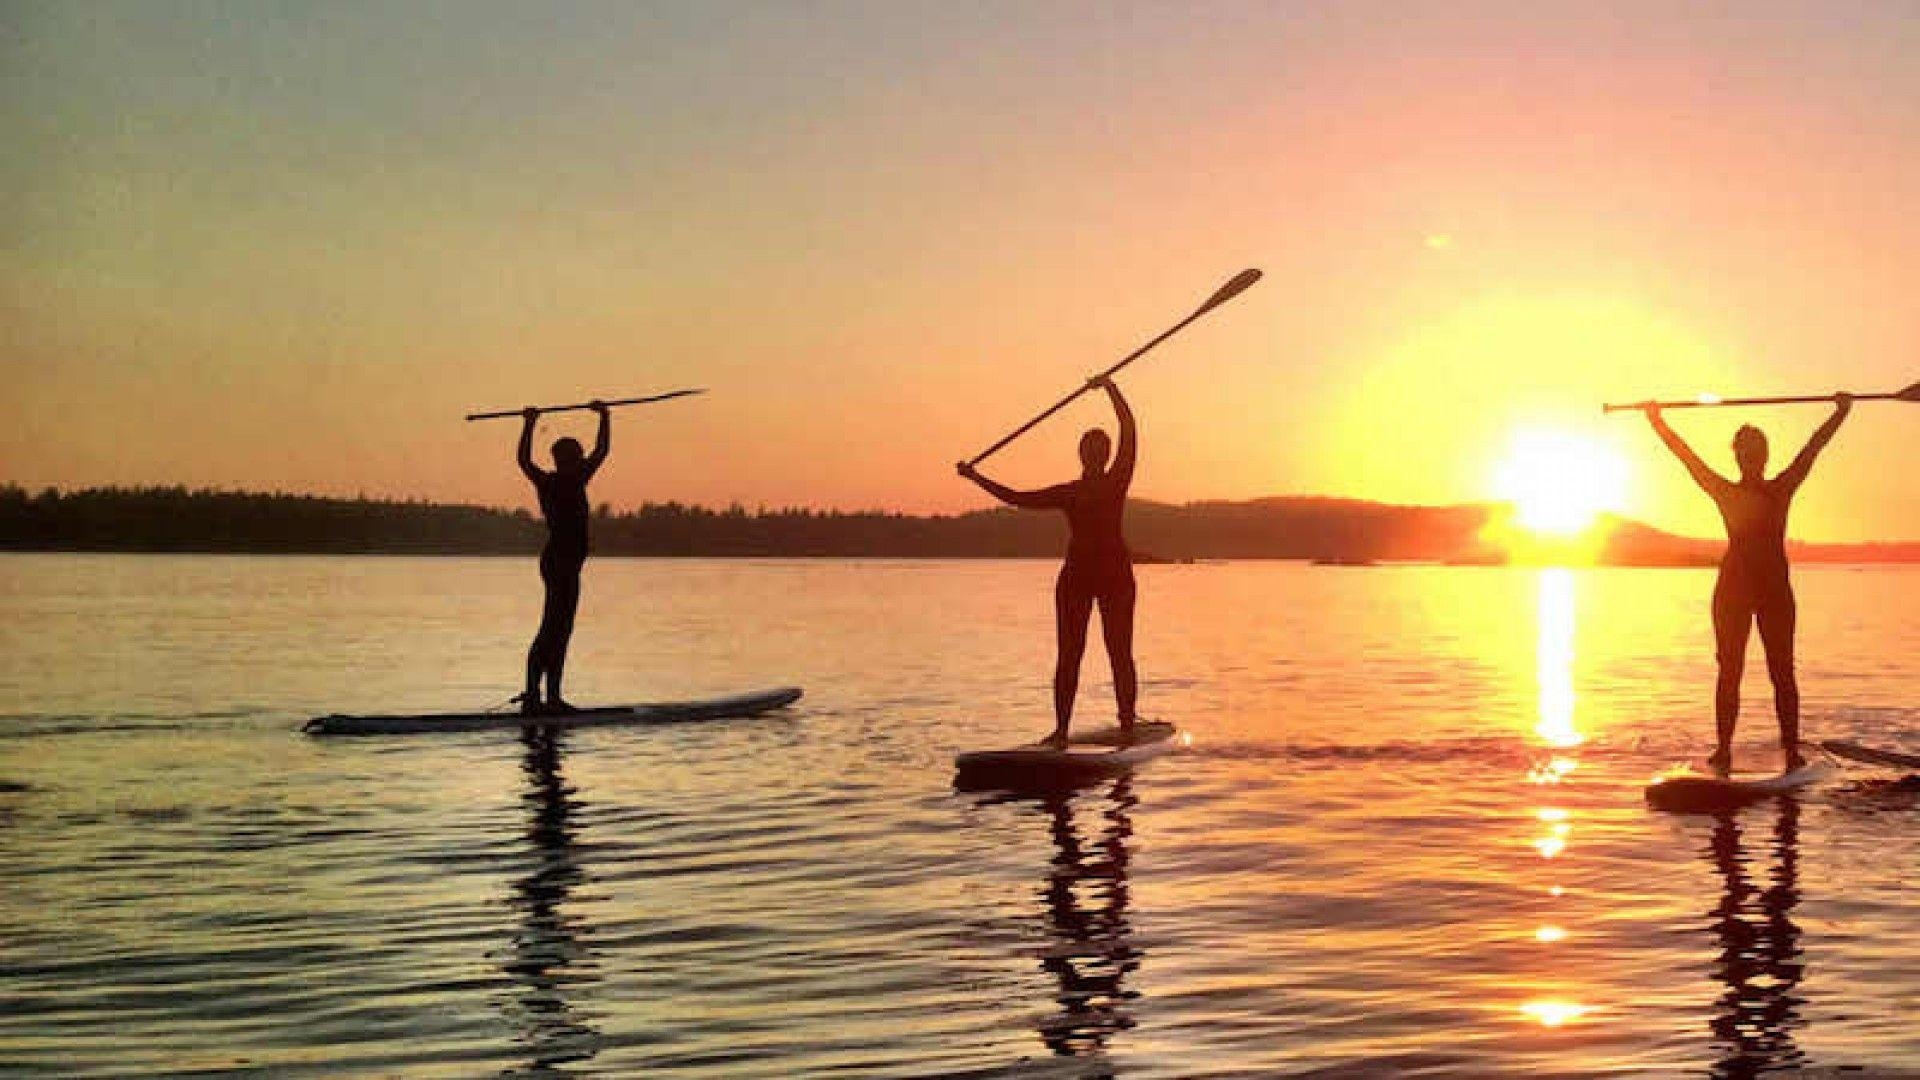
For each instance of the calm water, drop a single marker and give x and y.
(1408, 838)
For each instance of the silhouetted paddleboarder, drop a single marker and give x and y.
(1098, 569)
(1753, 585)
(563, 502)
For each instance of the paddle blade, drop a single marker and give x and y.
(1231, 289)
(1911, 393)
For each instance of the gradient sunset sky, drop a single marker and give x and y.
(265, 245)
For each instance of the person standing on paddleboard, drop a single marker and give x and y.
(1098, 569)
(563, 502)
(1753, 585)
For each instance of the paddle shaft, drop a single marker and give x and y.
(1068, 400)
(1910, 394)
(544, 409)
(1747, 401)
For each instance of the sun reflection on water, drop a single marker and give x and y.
(1553, 843)
(1553, 1013)
(1555, 661)
(1558, 734)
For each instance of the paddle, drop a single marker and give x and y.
(585, 405)
(1226, 292)
(1911, 393)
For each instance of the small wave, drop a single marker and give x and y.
(42, 727)
(159, 815)
(1437, 751)
(1879, 795)
(37, 725)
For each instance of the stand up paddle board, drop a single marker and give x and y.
(1853, 751)
(1090, 755)
(659, 712)
(1691, 791)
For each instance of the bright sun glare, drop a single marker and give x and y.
(1560, 481)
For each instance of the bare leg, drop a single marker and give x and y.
(530, 697)
(1777, 617)
(1116, 626)
(1732, 622)
(562, 605)
(539, 652)
(1072, 608)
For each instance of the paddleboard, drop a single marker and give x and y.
(1101, 752)
(1853, 751)
(658, 712)
(1694, 792)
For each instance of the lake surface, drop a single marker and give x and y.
(1407, 839)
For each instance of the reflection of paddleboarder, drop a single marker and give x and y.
(550, 960)
(1098, 568)
(1753, 586)
(1761, 962)
(1092, 950)
(563, 502)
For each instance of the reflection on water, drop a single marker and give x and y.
(1555, 660)
(1084, 897)
(548, 961)
(1091, 947)
(1760, 951)
(1556, 730)
(1341, 880)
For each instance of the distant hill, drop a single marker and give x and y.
(1350, 531)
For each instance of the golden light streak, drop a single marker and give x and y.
(1554, 1013)
(1555, 660)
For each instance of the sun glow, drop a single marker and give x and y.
(1559, 482)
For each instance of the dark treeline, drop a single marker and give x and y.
(183, 520)
(175, 519)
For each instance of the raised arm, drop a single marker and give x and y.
(1123, 457)
(525, 453)
(1711, 482)
(1044, 499)
(1795, 474)
(600, 440)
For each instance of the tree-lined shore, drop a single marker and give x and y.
(177, 519)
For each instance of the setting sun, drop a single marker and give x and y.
(1558, 481)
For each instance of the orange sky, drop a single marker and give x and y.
(291, 252)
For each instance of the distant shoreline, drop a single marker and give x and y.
(1348, 533)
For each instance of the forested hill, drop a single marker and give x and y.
(177, 519)
(1340, 530)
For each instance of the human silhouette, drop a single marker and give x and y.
(1753, 586)
(563, 502)
(1098, 568)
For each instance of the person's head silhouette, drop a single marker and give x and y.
(568, 457)
(1750, 450)
(1095, 447)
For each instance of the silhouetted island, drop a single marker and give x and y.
(1345, 531)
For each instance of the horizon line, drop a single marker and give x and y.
(7, 487)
